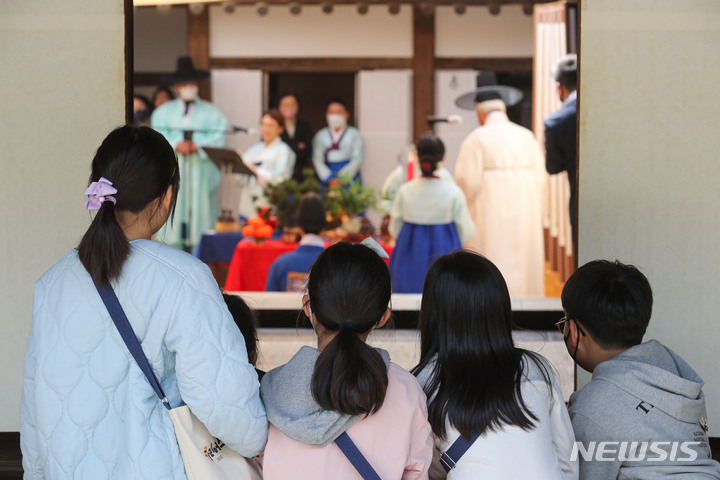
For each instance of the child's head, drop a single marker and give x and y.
(430, 151)
(610, 303)
(348, 295)
(466, 343)
(311, 215)
(246, 321)
(141, 165)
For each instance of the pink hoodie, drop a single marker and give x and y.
(396, 441)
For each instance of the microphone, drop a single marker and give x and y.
(453, 119)
(247, 130)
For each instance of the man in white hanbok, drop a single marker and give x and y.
(500, 169)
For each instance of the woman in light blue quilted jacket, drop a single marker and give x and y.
(87, 410)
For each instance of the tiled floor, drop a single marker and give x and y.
(277, 346)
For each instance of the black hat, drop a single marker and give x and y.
(186, 72)
(488, 89)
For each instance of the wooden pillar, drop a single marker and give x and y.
(199, 47)
(423, 70)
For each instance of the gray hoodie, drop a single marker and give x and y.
(291, 407)
(642, 397)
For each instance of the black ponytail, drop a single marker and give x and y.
(350, 377)
(141, 165)
(430, 151)
(349, 291)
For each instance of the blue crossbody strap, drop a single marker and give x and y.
(452, 455)
(128, 335)
(350, 450)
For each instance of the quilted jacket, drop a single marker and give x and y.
(88, 412)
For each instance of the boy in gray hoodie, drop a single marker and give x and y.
(642, 416)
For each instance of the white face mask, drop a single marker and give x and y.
(188, 93)
(336, 121)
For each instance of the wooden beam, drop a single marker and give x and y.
(310, 64)
(129, 62)
(423, 65)
(199, 47)
(499, 64)
(152, 3)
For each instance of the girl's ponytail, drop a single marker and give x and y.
(104, 247)
(350, 377)
(140, 165)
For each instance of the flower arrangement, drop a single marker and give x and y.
(284, 197)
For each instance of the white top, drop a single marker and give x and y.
(273, 163)
(398, 177)
(431, 201)
(542, 453)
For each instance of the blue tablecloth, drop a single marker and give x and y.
(218, 247)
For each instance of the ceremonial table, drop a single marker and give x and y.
(251, 262)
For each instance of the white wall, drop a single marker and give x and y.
(63, 91)
(649, 173)
(384, 106)
(237, 93)
(344, 33)
(450, 84)
(480, 34)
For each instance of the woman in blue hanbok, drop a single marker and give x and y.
(272, 160)
(429, 218)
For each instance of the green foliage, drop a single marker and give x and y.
(350, 198)
(284, 197)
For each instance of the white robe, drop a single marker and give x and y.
(273, 163)
(500, 168)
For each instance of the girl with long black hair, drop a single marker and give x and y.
(344, 386)
(504, 401)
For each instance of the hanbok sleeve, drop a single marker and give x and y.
(215, 124)
(279, 169)
(461, 217)
(390, 188)
(318, 157)
(396, 217)
(214, 377)
(356, 155)
(469, 169)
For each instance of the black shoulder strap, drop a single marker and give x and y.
(350, 450)
(452, 455)
(128, 335)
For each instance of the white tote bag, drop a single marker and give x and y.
(204, 456)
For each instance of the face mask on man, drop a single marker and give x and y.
(336, 121)
(188, 93)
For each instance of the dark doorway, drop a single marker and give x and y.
(314, 90)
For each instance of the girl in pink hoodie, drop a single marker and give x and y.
(345, 389)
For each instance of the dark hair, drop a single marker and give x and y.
(339, 101)
(466, 338)
(613, 302)
(565, 72)
(246, 321)
(141, 165)
(275, 114)
(430, 151)
(162, 88)
(145, 100)
(288, 94)
(349, 290)
(311, 215)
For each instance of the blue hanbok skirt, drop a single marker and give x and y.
(416, 248)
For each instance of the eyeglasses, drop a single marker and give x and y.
(561, 325)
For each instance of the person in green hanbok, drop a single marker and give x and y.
(190, 123)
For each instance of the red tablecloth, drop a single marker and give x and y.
(251, 263)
